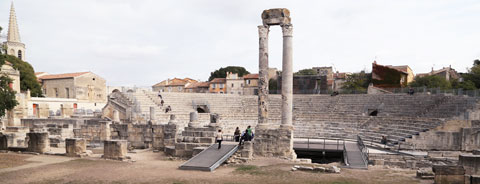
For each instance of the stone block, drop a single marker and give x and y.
(38, 142)
(378, 162)
(449, 174)
(180, 146)
(425, 173)
(75, 147)
(115, 149)
(277, 16)
(3, 142)
(471, 164)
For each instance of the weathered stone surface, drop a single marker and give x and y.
(277, 16)
(425, 173)
(449, 174)
(75, 147)
(38, 142)
(3, 142)
(471, 164)
(115, 149)
(274, 142)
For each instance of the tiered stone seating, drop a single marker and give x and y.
(344, 116)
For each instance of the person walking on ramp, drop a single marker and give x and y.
(219, 138)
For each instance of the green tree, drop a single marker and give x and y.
(358, 82)
(306, 72)
(272, 85)
(466, 85)
(222, 72)
(432, 81)
(28, 80)
(473, 74)
(7, 95)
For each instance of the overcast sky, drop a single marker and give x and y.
(141, 42)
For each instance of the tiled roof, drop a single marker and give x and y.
(403, 68)
(198, 85)
(175, 82)
(62, 76)
(251, 76)
(219, 80)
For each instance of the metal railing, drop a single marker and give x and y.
(338, 143)
(363, 149)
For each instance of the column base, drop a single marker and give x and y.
(270, 142)
(288, 127)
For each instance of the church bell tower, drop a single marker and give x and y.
(14, 46)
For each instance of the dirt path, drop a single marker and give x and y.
(152, 167)
(36, 161)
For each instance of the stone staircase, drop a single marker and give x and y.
(400, 116)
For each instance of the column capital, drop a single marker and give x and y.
(263, 31)
(287, 29)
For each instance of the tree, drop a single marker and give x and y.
(358, 82)
(272, 85)
(7, 95)
(473, 74)
(466, 85)
(28, 80)
(222, 72)
(306, 72)
(432, 81)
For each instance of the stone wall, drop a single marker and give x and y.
(94, 131)
(471, 164)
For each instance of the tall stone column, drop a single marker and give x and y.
(263, 76)
(287, 76)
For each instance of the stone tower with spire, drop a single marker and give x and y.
(14, 45)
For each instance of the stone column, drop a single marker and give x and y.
(194, 120)
(116, 116)
(152, 114)
(287, 76)
(263, 76)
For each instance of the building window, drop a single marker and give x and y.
(214, 86)
(56, 92)
(179, 88)
(67, 92)
(19, 54)
(232, 85)
(45, 91)
(221, 86)
(248, 82)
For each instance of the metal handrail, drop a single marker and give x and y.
(363, 149)
(323, 140)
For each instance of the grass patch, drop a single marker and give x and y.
(250, 169)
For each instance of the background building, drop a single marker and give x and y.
(234, 83)
(217, 85)
(251, 84)
(173, 85)
(83, 86)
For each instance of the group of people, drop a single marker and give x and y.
(168, 108)
(239, 137)
(246, 135)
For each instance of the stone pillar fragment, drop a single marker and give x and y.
(75, 147)
(3, 142)
(287, 76)
(38, 142)
(116, 116)
(194, 120)
(263, 75)
(152, 114)
(115, 149)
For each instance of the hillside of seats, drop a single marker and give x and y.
(399, 116)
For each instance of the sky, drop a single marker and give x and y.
(142, 42)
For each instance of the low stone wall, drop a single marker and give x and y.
(75, 147)
(74, 122)
(115, 149)
(471, 164)
(449, 174)
(94, 131)
(38, 142)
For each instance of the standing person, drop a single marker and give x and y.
(249, 133)
(160, 94)
(219, 138)
(384, 141)
(168, 109)
(161, 102)
(236, 134)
